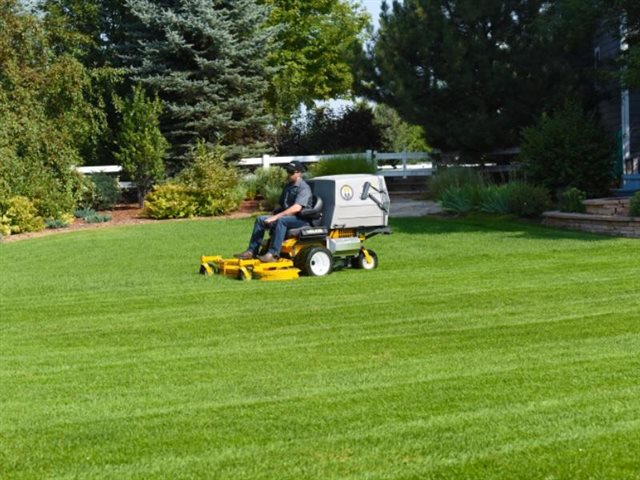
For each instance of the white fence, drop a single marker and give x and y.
(395, 164)
(106, 169)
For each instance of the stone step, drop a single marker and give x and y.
(406, 187)
(409, 194)
(608, 206)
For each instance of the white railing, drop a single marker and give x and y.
(394, 164)
(100, 169)
(106, 169)
(388, 163)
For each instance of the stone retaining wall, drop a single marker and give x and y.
(608, 206)
(603, 224)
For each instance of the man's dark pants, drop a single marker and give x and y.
(278, 232)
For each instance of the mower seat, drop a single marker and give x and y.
(307, 232)
(312, 215)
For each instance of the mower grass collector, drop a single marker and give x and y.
(347, 210)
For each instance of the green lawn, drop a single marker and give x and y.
(478, 349)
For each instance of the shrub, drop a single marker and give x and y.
(107, 191)
(84, 212)
(62, 222)
(5, 226)
(271, 197)
(571, 201)
(526, 200)
(250, 185)
(170, 200)
(634, 207)
(97, 218)
(56, 202)
(20, 216)
(454, 177)
(342, 165)
(568, 149)
(269, 183)
(269, 177)
(211, 182)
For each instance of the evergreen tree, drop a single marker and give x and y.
(141, 146)
(629, 12)
(206, 59)
(473, 73)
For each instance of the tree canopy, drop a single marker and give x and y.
(474, 73)
(47, 118)
(315, 46)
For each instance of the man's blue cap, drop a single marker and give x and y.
(294, 166)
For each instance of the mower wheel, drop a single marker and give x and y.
(361, 261)
(316, 262)
(244, 275)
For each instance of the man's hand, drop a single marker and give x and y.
(271, 219)
(292, 210)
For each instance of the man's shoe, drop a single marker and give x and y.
(267, 257)
(248, 255)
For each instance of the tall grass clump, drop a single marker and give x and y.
(342, 165)
(461, 199)
(519, 198)
(448, 178)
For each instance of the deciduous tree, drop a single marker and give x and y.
(315, 45)
(45, 117)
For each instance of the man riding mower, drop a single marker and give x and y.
(345, 211)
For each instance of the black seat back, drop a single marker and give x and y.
(313, 215)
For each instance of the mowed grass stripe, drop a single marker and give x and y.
(478, 349)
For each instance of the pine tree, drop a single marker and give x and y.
(474, 73)
(206, 59)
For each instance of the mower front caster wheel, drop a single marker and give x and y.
(361, 261)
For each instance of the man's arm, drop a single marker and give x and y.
(292, 210)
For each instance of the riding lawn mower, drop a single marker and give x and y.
(347, 210)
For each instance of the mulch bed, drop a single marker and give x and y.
(126, 214)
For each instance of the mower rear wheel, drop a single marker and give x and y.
(317, 262)
(361, 261)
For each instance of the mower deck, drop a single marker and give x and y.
(281, 269)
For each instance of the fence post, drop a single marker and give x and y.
(404, 164)
(265, 161)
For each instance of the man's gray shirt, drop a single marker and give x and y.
(296, 193)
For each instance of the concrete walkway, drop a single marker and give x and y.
(403, 207)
